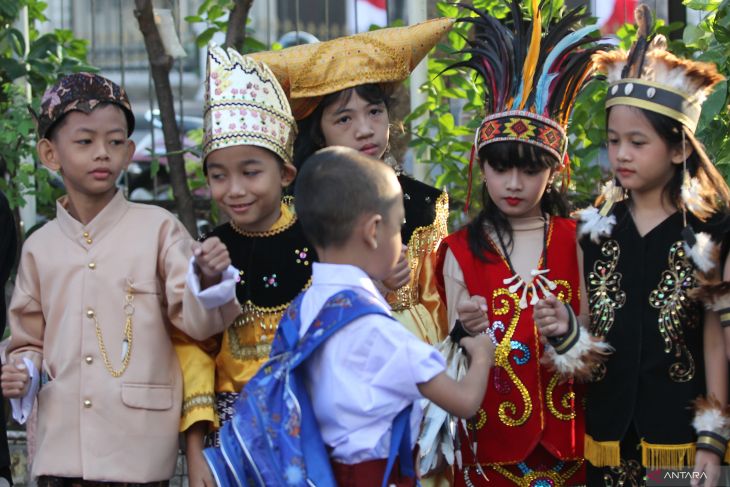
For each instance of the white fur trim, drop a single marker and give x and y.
(594, 224)
(720, 303)
(712, 420)
(701, 252)
(691, 194)
(573, 360)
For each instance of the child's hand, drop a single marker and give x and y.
(211, 257)
(15, 380)
(480, 349)
(473, 314)
(401, 274)
(551, 317)
(199, 475)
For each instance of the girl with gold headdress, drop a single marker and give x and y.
(513, 272)
(653, 262)
(340, 95)
(247, 155)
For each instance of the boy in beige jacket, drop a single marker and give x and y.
(98, 290)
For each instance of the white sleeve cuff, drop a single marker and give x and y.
(23, 406)
(217, 295)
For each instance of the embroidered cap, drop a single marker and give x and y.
(245, 105)
(310, 71)
(79, 92)
(652, 78)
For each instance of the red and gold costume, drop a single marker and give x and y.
(529, 430)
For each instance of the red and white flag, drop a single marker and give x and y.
(612, 14)
(361, 14)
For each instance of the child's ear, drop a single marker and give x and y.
(131, 148)
(47, 154)
(678, 155)
(288, 173)
(371, 227)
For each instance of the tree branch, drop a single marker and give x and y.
(236, 31)
(160, 64)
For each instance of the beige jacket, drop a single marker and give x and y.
(91, 424)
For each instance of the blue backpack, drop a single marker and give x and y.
(273, 438)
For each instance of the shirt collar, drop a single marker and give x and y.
(88, 235)
(346, 276)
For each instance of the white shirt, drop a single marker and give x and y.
(366, 373)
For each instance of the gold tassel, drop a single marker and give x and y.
(667, 456)
(528, 70)
(602, 453)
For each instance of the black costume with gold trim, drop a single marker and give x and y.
(638, 296)
(274, 267)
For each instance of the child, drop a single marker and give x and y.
(517, 262)
(377, 369)
(340, 94)
(247, 152)
(8, 253)
(644, 263)
(98, 290)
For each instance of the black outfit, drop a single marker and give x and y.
(419, 203)
(638, 298)
(8, 253)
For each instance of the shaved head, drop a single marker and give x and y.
(336, 187)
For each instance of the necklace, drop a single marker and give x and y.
(539, 276)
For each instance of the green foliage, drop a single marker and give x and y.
(214, 13)
(48, 57)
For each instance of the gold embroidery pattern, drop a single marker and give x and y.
(566, 402)
(670, 298)
(480, 422)
(604, 290)
(197, 401)
(287, 201)
(423, 241)
(628, 474)
(532, 478)
(502, 303)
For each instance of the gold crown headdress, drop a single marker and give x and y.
(245, 105)
(310, 71)
(531, 77)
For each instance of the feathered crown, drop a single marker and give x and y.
(531, 77)
(310, 71)
(650, 77)
(245, 105)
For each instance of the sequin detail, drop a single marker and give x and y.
(566, 402)
(675, 310)
(604, 290)
(504, 302)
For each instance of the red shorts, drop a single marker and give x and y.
(369, 474)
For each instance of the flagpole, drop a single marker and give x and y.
(417, 12)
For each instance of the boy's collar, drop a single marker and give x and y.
(286, 219)
(345, 275)
(88, 235)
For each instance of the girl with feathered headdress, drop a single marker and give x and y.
(516, 264)
(653, 251)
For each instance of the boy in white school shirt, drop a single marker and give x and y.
(351, 209)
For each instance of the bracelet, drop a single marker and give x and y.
(711, 441)
(565, 342)
(724, 317)
(458, 332)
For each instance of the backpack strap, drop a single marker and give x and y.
(287, 333)
(339, 310)
(400, 446)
